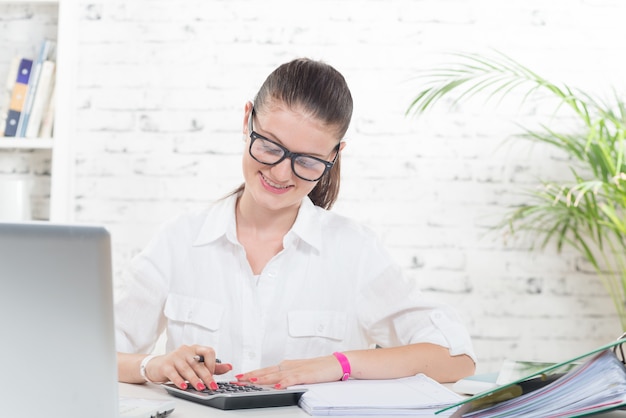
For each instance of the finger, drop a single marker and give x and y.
(187, 372)
(205, 355)
(266, 379)
(222, 368)
(257, 373)
(180, 382)
(170, 372)
(205, 372)
(267, 375)
(204, 364)
(200, 359)
(247, 377)
(284, 380)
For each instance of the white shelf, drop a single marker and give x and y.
(26, 143)
(62, 182)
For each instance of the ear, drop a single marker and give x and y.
(342, 145)
(246, 115)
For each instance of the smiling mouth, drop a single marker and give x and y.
(274, 185)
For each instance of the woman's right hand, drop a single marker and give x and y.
(182, 366)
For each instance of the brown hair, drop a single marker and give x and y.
(321, 90)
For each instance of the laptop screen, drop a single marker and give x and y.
(57, 349)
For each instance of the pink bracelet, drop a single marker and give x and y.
(345, 365)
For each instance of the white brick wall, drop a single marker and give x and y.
(161, 90)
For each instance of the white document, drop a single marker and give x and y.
(418, 395)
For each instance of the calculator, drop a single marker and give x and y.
(238, 395)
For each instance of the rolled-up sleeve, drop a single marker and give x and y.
(395, 312)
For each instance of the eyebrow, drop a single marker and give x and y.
(278, 141)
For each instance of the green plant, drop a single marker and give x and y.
(588, 213)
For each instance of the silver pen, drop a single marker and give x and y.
(200, 359)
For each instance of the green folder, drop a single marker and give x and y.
(597, 384)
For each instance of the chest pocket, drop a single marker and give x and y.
(326, 324)
(192, 321)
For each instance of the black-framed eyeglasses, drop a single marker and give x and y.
(304, 166)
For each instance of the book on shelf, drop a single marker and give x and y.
(7, 92)
(47, 52)
(591, 383)
(47, 123)
(18, 97)
(41, 100)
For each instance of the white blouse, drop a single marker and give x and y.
(332, 288)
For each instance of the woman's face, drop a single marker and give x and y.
(276, 187)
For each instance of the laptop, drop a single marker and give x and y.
(57, 352)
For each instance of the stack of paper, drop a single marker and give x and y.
(597, 385)
(416, 396)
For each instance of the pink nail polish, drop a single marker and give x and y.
(277, 386)
(183, 386)
(213, 386)
(238, 376)
(200, 386)
(253, 379)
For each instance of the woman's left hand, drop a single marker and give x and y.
(295, 372)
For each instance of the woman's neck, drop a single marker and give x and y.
(263, 222)
(261, 231)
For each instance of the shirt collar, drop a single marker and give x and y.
(221, 222)
(308, 225)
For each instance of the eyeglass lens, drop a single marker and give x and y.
(269, 153)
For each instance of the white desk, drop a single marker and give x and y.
(187, 409)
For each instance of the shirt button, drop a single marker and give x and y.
(251, 355)
(320, 328)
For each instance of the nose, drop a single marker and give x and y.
(282, 170)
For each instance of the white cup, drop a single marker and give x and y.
(15, 199)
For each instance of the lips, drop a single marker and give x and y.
(273, 187)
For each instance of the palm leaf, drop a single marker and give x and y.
(589, 212)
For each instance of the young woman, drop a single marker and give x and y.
(270, 281)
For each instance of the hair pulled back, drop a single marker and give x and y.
(320, 91)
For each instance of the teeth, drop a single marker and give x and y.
(271, 183)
